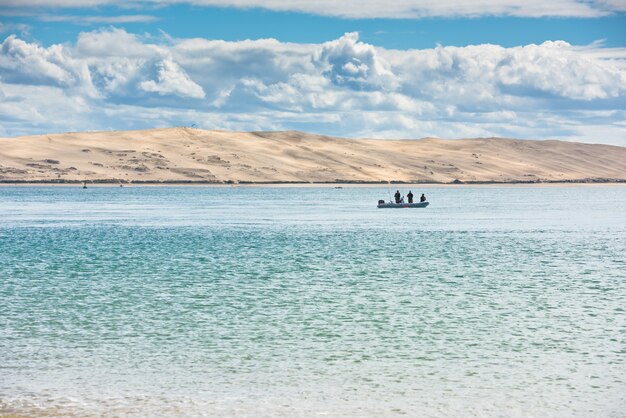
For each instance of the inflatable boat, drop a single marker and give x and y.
(383, 204)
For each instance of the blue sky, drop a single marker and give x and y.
(232, 24)
(527, 69)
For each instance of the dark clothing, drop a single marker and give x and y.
(410, 197)
(397, 196)
(423, 198)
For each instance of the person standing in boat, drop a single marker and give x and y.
(423, 198)
(397, 196)
(410, 196)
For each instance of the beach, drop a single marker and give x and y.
(194, 156)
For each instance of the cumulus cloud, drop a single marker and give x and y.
(355, 64)
(116, 79)
(556, 68)
(171, 79)
(27, 63)
(113, 42)
(403, 9)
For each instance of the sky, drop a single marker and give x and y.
(530, 69)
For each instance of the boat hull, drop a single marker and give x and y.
(402, 205)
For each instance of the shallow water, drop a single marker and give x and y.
(157, 301)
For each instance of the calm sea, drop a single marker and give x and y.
(260, 301)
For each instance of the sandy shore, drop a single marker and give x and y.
(179, 156)
(403, 186)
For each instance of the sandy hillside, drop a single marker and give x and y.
(184, 154)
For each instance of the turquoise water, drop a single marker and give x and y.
(199, 301)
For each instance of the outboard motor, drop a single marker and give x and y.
(381, 202)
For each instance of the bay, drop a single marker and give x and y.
(302, 301)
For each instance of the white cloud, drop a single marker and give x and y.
(405, 9)
(490, 77)
(343, 87)
(25, 109)
(89, 20)
(171, 79)
(355, 64)
(21, 28)
(27, 63)
(557, 68)
(113, 42)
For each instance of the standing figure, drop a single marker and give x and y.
(397, 196)
(423, 198)
(410, 196)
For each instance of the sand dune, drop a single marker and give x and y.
(185, 154)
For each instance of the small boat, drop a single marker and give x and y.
(383, 205)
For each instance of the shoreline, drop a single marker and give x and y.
(337, 184)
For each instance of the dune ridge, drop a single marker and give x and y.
(187, 155)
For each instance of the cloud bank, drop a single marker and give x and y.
(112, 79)
(404, 9)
